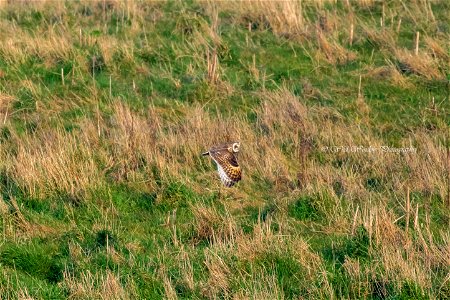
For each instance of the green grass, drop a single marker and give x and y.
(144, 225)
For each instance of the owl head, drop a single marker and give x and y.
(234, 147)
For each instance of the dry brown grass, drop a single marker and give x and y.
(97, 286)
(391, 73)
(169, 288)
(282, 151)
(218, 282)
(5, 107)
(49, 44)
(332, 51)
(283, 17)
(263, 287)
(132, 144)
(212, 226)
(18, 227)
(54, 162)
(435, 48)
(385, 39)
(187, 270)
(422, 64)
(255, 247)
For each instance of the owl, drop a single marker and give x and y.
(225, 157)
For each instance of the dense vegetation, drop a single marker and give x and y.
(106, 106)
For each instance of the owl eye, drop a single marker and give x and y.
(236, 147)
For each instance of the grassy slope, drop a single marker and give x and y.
(103, 194)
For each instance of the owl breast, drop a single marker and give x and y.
(227, 181)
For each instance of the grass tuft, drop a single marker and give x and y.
(106, 107)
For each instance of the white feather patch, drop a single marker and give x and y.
(224, 177)
(227, 181)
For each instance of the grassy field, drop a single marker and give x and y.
(106, 106)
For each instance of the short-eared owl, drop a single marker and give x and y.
(225, 157)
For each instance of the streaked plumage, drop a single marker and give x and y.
(227, 166)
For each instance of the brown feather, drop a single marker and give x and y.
(227, 160)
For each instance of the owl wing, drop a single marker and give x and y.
(227, 166)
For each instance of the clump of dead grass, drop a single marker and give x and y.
(212, 226)
(423, 64)
(332, 51)
(97, 286)
(385, 39)
(169, 288)
(391, 73)
(54, 162)
(134, 140)
(219, 273)
(436, 49)
(281, 149)
(282, 17)
(259, 285)
(428, 165)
